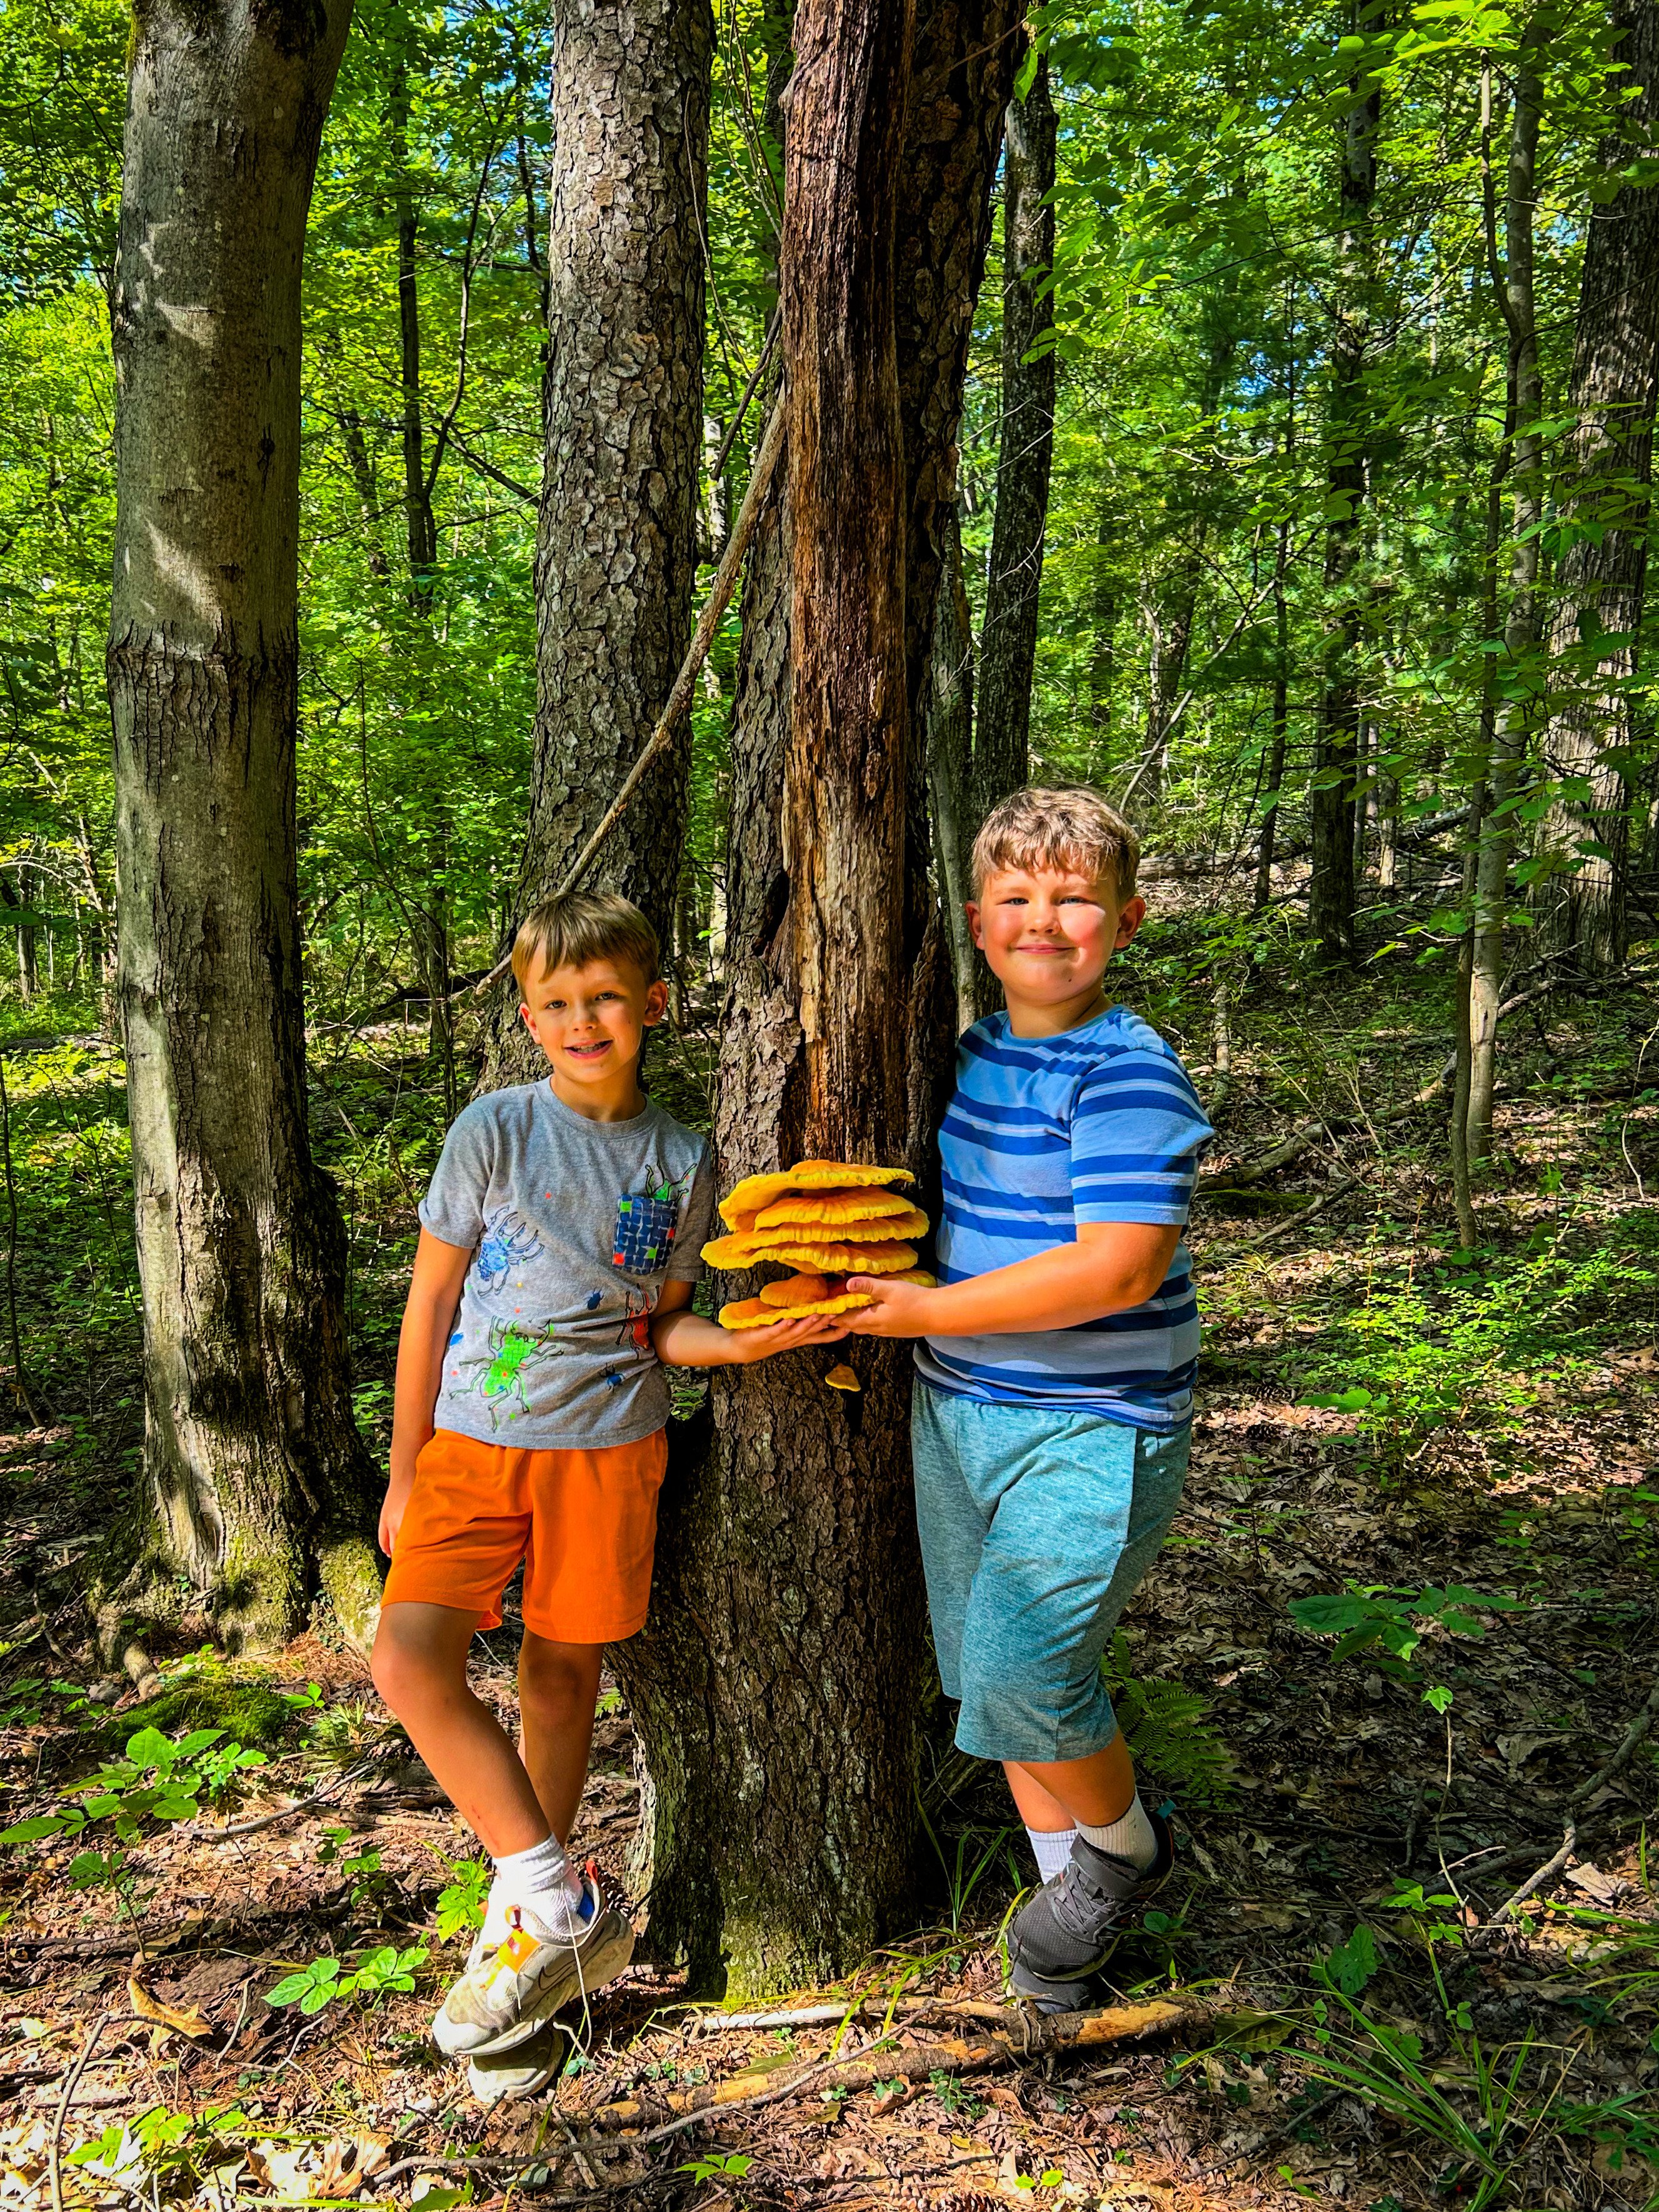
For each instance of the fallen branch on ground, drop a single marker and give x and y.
(826, 2015)
(1545, 1873)
(1029, 2036)
(1634, 1735)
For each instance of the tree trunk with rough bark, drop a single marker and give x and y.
(1606, 471)
(777, 1682)
(1331, 885)
(1007, 646)
(257, 1478)
(615, 548)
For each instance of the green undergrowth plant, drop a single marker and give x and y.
(328, 1981)
(1472, 1340)
(1163, 1726)
(158, 1781)
(1388, 1625)
(169, 2153)
(1482, 2108)
(461, 1901)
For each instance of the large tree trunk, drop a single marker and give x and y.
(777, 1683)
(256, 1471)
(616, 546)
(1331, 886)
(1008, 653)
(1607, 468)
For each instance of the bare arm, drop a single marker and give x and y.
(683, 1338)
(1112, 1266)
(434, 1294)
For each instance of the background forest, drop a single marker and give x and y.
(1299, 502)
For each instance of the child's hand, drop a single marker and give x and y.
(750, 1344)
(393, 1510)
(900, 1308)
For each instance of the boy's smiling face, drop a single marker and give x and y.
(591, 1022)
(1046, 934)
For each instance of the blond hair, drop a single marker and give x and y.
(582, 927)
(1058, 826)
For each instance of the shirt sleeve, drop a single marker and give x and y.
(1138, 1134)
(452, 1208)
(696, 1217)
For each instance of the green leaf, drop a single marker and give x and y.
(1352, 1964)
(31, 1831)
(289, 1990)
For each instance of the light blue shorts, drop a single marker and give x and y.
(1036, 1526)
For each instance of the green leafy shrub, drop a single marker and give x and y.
(1389, 1623)
(323, 1983)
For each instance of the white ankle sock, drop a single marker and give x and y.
(543, 1879)
(1052, 1847)
(1131, 1836)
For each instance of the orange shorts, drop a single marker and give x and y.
(584, 1523)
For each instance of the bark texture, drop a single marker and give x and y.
(777, 1682)
(1605, 496)
(961, 78)
(253, 1466)
(1007, 657)
(615, 548)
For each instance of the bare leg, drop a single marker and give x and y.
(420, 1669)
(558, 1688)
(1094, 1791)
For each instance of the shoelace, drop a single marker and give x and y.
(1081, 1895)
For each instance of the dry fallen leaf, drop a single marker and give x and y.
(145, 2007)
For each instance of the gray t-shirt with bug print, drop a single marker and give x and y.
(575, 1226)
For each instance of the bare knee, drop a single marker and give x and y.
(407, 1667)
(559, 1683)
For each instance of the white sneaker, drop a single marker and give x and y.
(496, 2077)
(502, 2002)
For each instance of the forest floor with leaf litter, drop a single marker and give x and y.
(1444, 1458)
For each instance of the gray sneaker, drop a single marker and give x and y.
(502, 2001)
(1061, 1938)
(496, 2077)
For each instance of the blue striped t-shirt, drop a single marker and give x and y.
(1099, 1123)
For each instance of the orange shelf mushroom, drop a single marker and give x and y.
(827, 1219)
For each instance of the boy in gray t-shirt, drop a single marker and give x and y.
(558, 1253)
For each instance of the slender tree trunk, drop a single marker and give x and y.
(1519, 700)
(1462, 1182)
(776, 1683)
(1280, 725)
(1007, 655)
(253, 1464)
(1171, 615)
(1608, 469)
(427, 906)
(949, 747)
(1331, 887)
(617, 541)
(1102, 661)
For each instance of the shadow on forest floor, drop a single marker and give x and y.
(1453, 1452)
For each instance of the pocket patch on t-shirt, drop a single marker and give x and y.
(643, 1239)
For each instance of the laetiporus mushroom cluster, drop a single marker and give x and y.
(824, 1219)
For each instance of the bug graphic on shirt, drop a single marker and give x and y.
(637, 1319)
(508, 1242)
(500, 1379)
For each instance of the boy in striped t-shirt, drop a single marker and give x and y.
(1052, 1409)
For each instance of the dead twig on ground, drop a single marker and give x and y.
(54, 2156)
(827, 2015)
